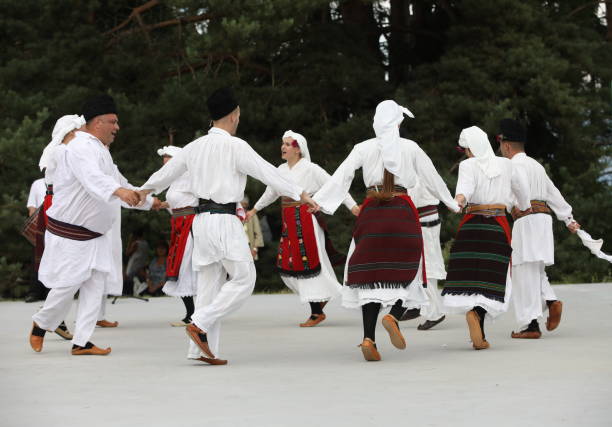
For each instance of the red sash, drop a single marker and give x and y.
(181, 227)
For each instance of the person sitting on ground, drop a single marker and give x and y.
(156, 275)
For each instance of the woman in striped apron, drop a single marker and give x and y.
(478, 280)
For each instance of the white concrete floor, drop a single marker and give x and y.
(283, 375)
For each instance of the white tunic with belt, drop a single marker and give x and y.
(179, 196)
(478, 188)
(311, 178)
(532, 235)
(218, 165)
(85, 185)
(410, 160)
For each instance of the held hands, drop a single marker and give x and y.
(355, 210)
(142, 194)
(313, 206)
(158, 204)
(130, 197)
(250, 214)
(573, 227)
(460, 199)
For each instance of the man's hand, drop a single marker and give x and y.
(250, 214)
(128, 196)
(355, 210)
(460, 199)
(573, 227)
(142, 194)
(158, 204)
(306, 199)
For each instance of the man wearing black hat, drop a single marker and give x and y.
(218, 164)
(78, 252)
(532, 237)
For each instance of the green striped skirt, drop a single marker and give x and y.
(479, 258)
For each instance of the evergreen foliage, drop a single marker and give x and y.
(319, 68)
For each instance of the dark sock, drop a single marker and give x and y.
(87, 346)
(62, 326)
(533, 326)
(481, 314)
(370, 317)
(315, 308)
(397, 310)
(549, 302)
(189, 308)
(38, 332)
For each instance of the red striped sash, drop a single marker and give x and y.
(70, 231)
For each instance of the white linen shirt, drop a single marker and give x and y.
(218, 165)
(85, 180)
(306, 174)
(532, 235)
(179, 194)
(38, 189)
(411, 163)
(477, 188)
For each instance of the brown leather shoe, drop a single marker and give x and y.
(92, 351)
(198, 336)
(483, 346)
(313, 320)
(37, 337)
(369, 350)
(212, 361)
(390, 324)
(106, 324)
(534, 335)
(473, 321)
(554, 315)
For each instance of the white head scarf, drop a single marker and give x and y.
(477, 141)
(169, 150)
(64, 125)
(299, 138)
(387, 118)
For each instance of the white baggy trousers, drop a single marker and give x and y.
(531, 290)
(223, 287)
(58, 302)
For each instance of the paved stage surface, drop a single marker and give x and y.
(283, 375)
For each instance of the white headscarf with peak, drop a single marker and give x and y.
(299, 138)
(477, 141)
(63, 126)
(169, 150)
(389, 114)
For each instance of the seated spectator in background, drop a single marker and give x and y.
(138, 252)
(156, 275)
(253, 230)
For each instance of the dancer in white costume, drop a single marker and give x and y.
(478, 280)
(180, 277)
(78, 242)
(427, 206)
(533, 245)
(218, 164)
(302, 235)
(384, 266)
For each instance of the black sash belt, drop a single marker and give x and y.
(69, 231)
(431, 223)
(215, 208)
